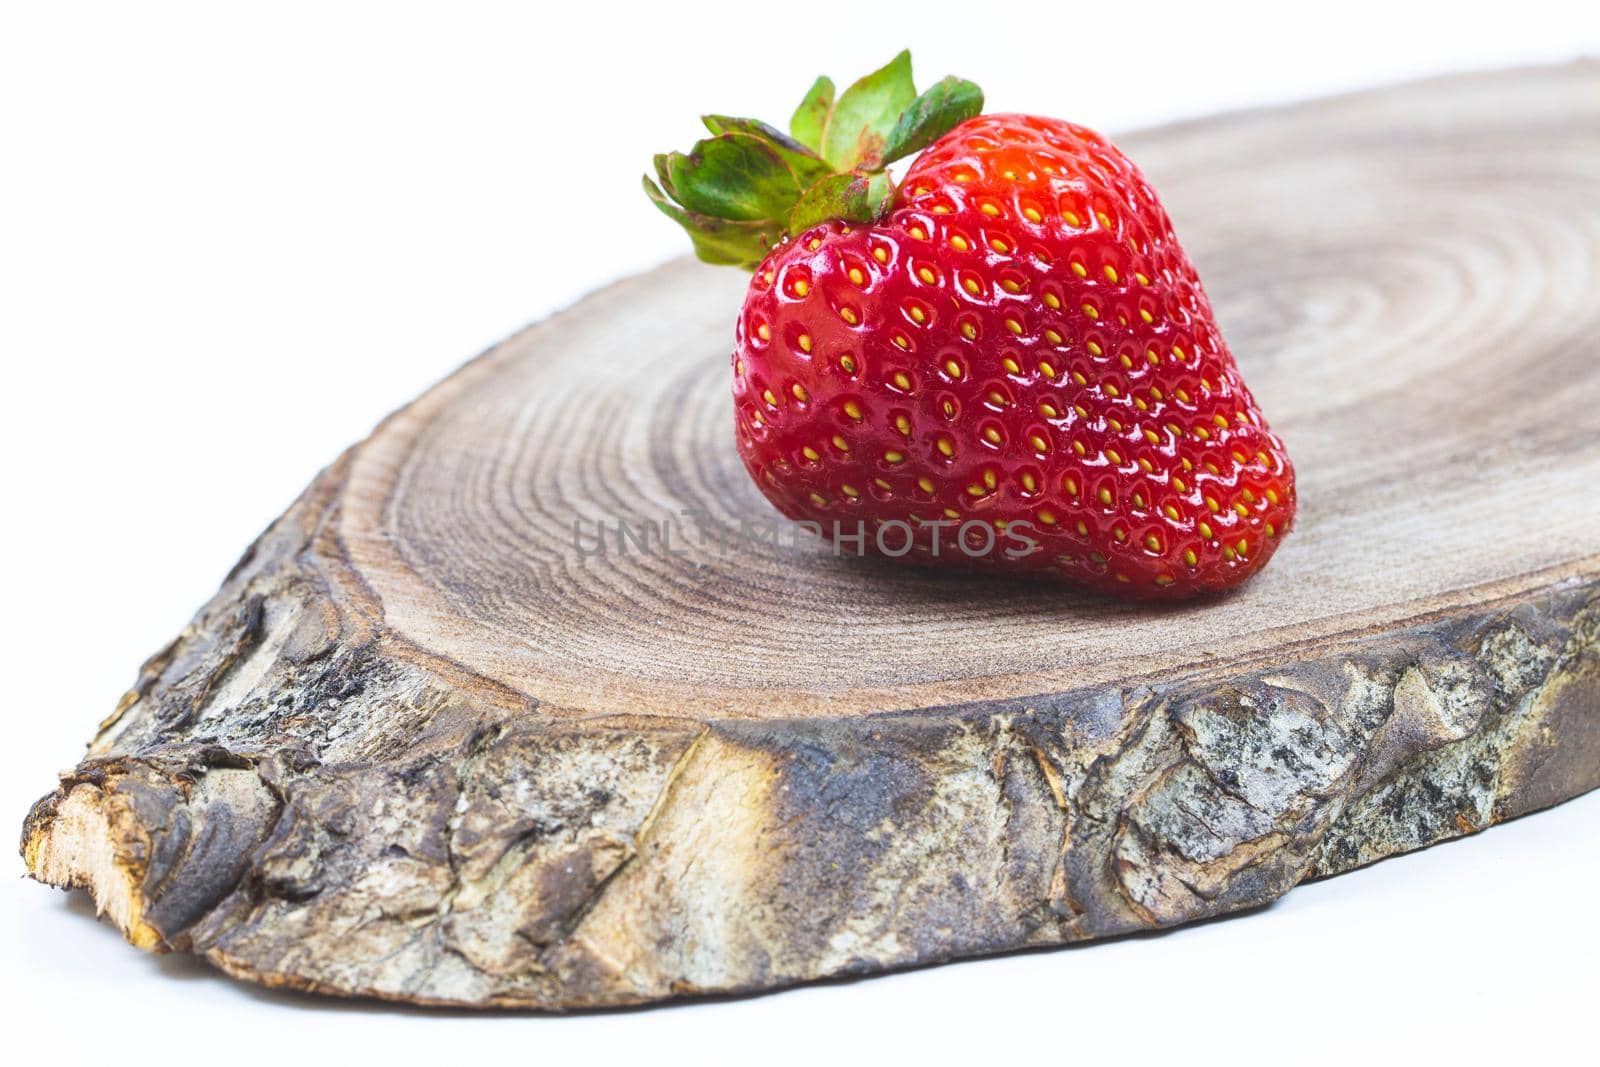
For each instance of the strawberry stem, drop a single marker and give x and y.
(748, 187)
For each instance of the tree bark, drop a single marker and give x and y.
(429, 743)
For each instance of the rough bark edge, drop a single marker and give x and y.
(308, 803)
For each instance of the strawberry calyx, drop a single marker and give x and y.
(743, 190)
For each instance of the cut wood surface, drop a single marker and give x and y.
(428, 742)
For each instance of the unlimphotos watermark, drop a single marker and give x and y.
(693, 532)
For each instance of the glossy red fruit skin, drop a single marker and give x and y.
(1021, 340)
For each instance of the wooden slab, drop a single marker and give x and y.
(427, 744)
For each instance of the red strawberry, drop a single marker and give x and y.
(1008, 361)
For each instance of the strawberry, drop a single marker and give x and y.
(1004, 361)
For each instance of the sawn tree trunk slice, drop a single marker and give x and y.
(422, 746)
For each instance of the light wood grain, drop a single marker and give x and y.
(422, 746)
(1412, 297)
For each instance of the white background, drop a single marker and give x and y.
(232, 238)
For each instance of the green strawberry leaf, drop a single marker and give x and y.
(812, 114)
(864, 115)
(808, 167)
(747, 187)
(932, 115)
(851, 196)
(731, 176)
(721, 241)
